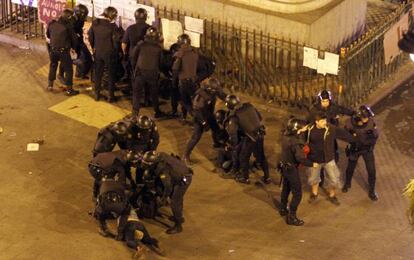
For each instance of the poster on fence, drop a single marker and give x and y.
(329, 65)
(194, 37)
(50, 9)
(194, 24)
(170, 31)
(31, 3)
(391, 38)
(310, 58)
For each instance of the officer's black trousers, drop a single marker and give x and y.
(177, 200)
(102, 61)
(248, 146)
(187, 91)
(369, 159)
(62, 56)
(291, 184)
(198, 132)
(175, 97)
(146, 82)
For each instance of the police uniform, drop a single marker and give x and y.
(84, 64)
(146, 61)
(143, 140)
(176, 178)
(367, 137)
(103, 36)
(203, 110)
(248, 120)
(185, 72)
(62, 39)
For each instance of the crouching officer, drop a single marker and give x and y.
(363, 125)
(112, 203)
(246, 119)
(62, 40)
(204, 103)
(292, 155)
(84, 64)
(224, 153)
(176, 178)
(145, 136)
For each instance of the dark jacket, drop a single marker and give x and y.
(367, 134)
(244, 121)
(112, 164)
(61, 35)
(103, 36)
(204, 102)
(143, 140)
(146, 56)
(185, 65)
(134, 34)
(292, 151)
(331, 133)
(332, 112)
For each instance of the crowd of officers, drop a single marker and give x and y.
(136, 180)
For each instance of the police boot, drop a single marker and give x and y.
(283, 211)
(50, 85)
(70, 91)
(266, 180)
(372, 195)
(177, 228)
(242, 179)
(346, 187)
(291, 219)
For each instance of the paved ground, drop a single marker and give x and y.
(45, 195)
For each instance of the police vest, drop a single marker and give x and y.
(249, 120)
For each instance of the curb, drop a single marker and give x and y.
(22, 44)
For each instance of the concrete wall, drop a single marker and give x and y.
(325, 27)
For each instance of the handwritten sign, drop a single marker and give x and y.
(194, 25)
(50, 10)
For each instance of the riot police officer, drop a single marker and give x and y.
(103, 36)
(145, 136)
(146, 62)
(112, 202)
(363, 125)
(204, 103)
(185, 72)
(246, 119)
(62, 40)
(292, 155)
(132, 36)
(84, 60)
(176, 178)
(224, 153)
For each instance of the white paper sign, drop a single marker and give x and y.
(32, 3)
(194, 24)
(33, 147)
(331, 63)
(170, 31)
(321, 67)
(194, 37)
(310, 58)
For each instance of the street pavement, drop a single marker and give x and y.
(45, 196)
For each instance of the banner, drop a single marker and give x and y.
(50, 9)
(31, 3)
(329, 65)
(194, 25)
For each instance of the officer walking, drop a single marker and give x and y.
(204, 103)
(146, 61)
(246, 119)
(62, 40)
(103, 36)
(185, 72)
(132, 36)
(292, 155)
(363, 125)
(176, 178)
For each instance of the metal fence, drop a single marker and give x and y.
(259, 64)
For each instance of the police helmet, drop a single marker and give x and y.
(141, 14)
(96, 171)
(365, 111)
(293, 125)
(220, 115)
(324, 94)
(211, 84)
(232, 101)
(184, 39)
(144, 122)
(66, 16)
(149, 159)
(111, 13)
(152, 34)
(174, 48)
(120, 128)
(81, 11)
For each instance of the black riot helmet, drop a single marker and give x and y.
(212, 85)
(220, 116)
(152, 34)
(141, 14)
(324, 94)
(120, 128)
(174, 48)
(144, 122)
(365, 111)
(150, 159)
(81, 12)
(66, 16)
(232, 101)
(293, 125)
(184, 39)
(111, 13)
